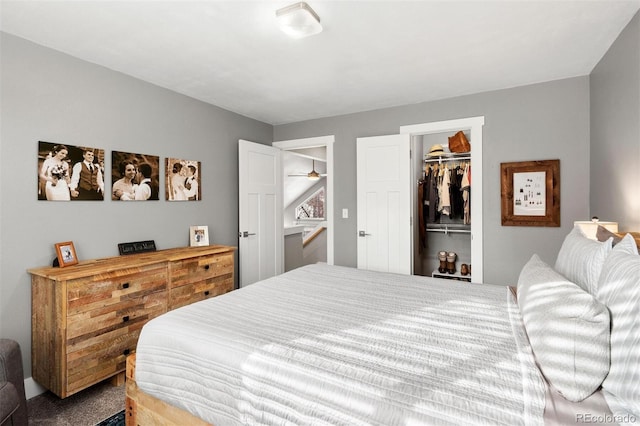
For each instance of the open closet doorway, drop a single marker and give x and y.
(307, 166)
(463, 237)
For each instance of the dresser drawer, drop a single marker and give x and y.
(105, 357)
(98, 341)
(130, 313)
(111, 288)
(201, 290)
(189, 271)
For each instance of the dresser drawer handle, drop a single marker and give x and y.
(206, 267)
(125, 285)
(206, 293)
(126, 352)
(125, 319)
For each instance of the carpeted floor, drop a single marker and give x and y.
(86, 408)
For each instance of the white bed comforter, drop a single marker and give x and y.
(330, 345)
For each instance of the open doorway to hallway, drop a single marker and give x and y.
(307, 200)
(304, 200)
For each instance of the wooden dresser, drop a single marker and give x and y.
(86, 318)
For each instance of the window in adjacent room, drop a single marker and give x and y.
(312, 207)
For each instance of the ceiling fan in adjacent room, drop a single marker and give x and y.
(312, 175)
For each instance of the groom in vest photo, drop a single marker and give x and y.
(87, 182)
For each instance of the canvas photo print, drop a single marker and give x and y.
(135, 177)
(182, 181)
(70, 173)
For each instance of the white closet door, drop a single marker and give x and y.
(384, 203)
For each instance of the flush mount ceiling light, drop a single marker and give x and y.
(298, 20)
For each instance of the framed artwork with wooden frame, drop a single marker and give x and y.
(66, 254)
(530, 193)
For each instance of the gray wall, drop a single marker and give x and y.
(50, 96)
(537, 122)
(615, 131)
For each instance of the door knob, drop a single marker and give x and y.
(245, 234)
(362, 234)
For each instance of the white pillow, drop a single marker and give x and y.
(619, 289)
(568, 330)
(580, 259)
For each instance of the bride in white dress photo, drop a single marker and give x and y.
(55, 172)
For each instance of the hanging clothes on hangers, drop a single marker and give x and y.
(466, 194)
(457, 204)
(422, 226)
(432, 195)
(444, 193)
(445, 189)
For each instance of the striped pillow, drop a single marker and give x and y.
(580, 259)
(567, 327)
(619, 289)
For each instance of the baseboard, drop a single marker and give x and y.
(32, 388)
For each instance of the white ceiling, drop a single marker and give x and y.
(371, 54)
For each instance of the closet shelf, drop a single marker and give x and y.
(448, 157)
(449, 228)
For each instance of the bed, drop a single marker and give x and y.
(335, 345)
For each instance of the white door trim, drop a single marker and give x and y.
(313, 142)
(474, 125)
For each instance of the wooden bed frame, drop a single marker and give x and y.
(145, 410)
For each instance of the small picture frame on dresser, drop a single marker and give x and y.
(199, 235)
(66, 254)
